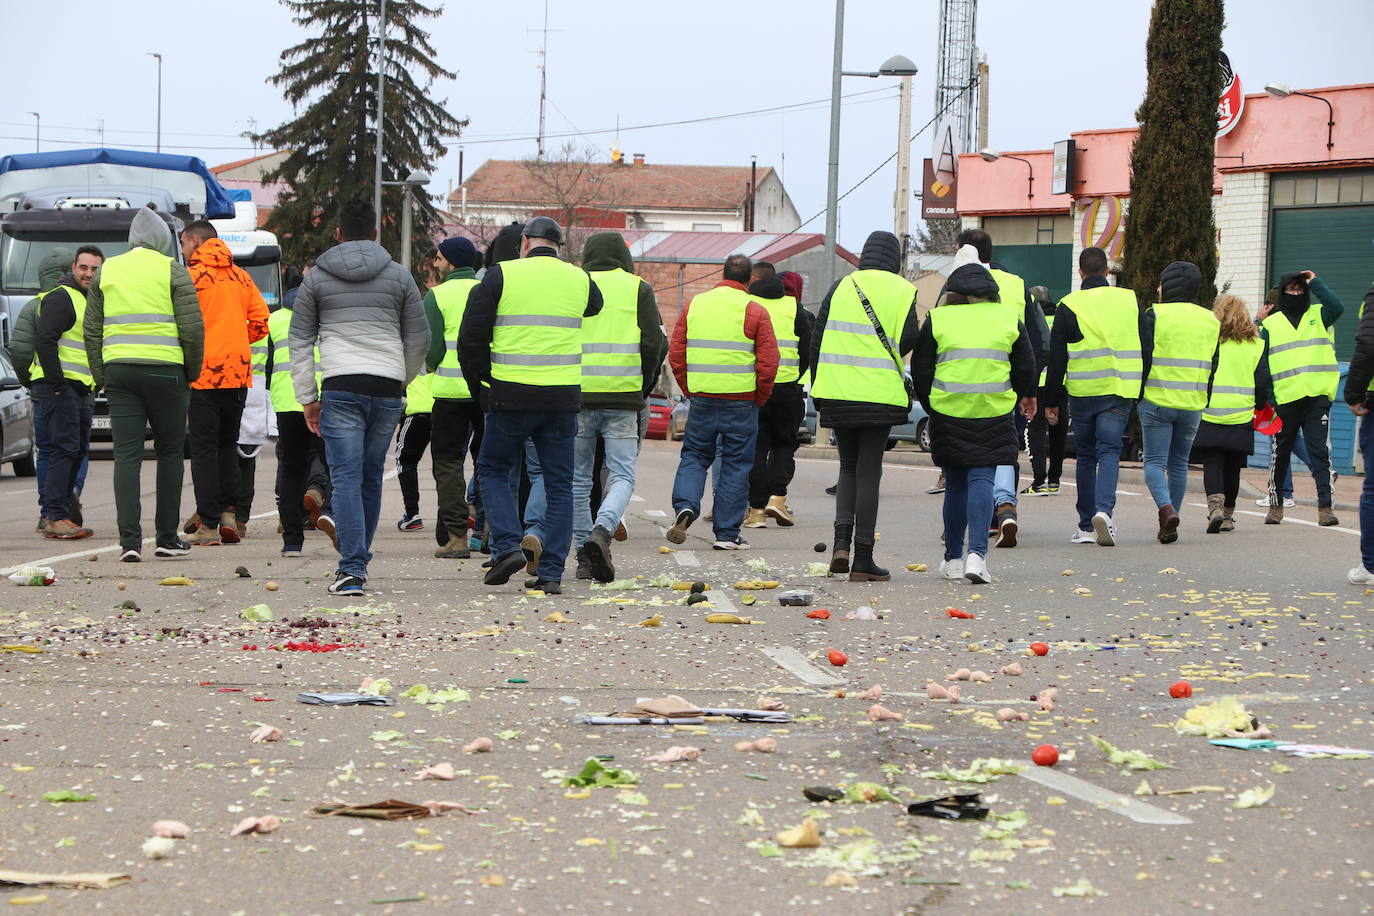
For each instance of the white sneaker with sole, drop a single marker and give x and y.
(1104, 530)
(1263, 502)
(952, 569)
(1082, 537)
(1360, 576)
(976, 570)
(738, 543)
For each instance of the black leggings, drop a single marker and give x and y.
(861, 471)
(1221, 469)
(412, 438)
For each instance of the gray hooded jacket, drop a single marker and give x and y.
(148, 230)
(364, 312)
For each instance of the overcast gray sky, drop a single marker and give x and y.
(1057, 66)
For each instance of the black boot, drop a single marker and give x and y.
(839, 554)
(863, 568)
(584, 566)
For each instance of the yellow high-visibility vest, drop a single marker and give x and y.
(610, 339)
(1108, 359)
(783, 314)
(973, 344)
(1302, 360)
(1233, 387)
(720, 358)
(71, 346)
(451, 297)
(1185, 340)
(853, 364)
(140, 323)
(537, 339)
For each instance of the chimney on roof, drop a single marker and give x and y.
(639, 158)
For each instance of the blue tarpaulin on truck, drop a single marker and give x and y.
(218, 204)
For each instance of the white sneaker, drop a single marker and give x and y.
(737, 543)
(1104, 530)
(976, 570)
(1360, 576)
(1082, 537)
(1263, 502)
(952, 569)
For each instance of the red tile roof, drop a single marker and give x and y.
(620, 187)
(216, 169)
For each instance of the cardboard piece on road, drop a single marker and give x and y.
(87, 880)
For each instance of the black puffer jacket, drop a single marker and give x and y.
(881, 251)
(959, 442)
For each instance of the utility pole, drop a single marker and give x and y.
(982, 101)
(903, 201)
(159, 97)
(381, 92)
(832, 176)
(37, 129)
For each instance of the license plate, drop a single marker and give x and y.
(100, 422)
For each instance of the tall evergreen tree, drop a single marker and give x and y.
(330, 79)
(1170, 216)
(938, 236)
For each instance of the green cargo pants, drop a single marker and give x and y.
(141, 395)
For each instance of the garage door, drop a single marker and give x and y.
(1335, 242)
(1039, 265)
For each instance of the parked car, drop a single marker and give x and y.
(915, 430)
(810, 423)
(660, 413)
(17, 443)
(677, 423)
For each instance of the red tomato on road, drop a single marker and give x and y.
(1046, 755)
(1180, 690)
(837, 658)
(1040, 648)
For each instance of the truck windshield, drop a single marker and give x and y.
(20, 259)
(267, 277)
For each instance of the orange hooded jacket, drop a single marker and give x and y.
(234, 313)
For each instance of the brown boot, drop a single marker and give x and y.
(1214, 510)
(1168, 525)
(1228, 518)
(228, 528)
(191, 524)
(204, 537)
(65, 530)
(777, 510)
(456, 547)
(313, 503)
(1326, 517)
(1275, 515)
(241, 528)
(755, 518)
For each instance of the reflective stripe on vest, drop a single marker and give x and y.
(852, 364)
(1302, 360)
(610, 339)
(720, 359)
(1233, 387)
(71, 345)
(783, 314)
(537, 339)
(973, 345)
(140, 323)
(1184, 341)
(257, 357)
(1107, 360)
(451, 297)
(419, 399)
(279, 386)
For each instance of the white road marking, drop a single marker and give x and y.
(796, 664)
(1105, 799)
(655, 513)
(686, 558)
(33, 492)
(635, 498)
(1288, 519)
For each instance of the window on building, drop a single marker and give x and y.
(707, 227)
(1050, 229)
(653, 225)
(1348, 186)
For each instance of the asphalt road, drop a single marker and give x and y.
(149, 710)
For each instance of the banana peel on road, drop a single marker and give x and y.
(730, 618)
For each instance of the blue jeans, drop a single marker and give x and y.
(1099, 422)
(1367, 494)
(44, 446)
(357, 431)
(968, 495)
(1003, 485)
(537, 503)
(554, 433)
(67, 426)
(1168, 439)
(731, 427)
(619, 429)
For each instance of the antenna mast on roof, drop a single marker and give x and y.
(543, 79)
(957, 69)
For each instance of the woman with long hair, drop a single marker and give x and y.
(1225, 437)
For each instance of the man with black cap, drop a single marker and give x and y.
(1302, 364)
(520, 348)
(456, 419)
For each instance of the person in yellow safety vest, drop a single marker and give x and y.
(973, 363)
(858, 382)
(622, 351)
(1302, 364)
(724, 357)
(1045, 443)
(456, 422)
(145, 340)
(1178, 341)
(302, 471)
(781, 418)
(1014, 295)
(1095, 364)
(1359, 395)
(1226, 437)
(520, 348)
(62, 392)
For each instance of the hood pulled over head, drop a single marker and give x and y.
(1293, 301)
(506, 245)
(768, 288)
(973, 281)
(54, 267)
(148, 230)
(1180, 282)
(882, 251)
(793, 283)
(606, 251)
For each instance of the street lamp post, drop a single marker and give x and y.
(37, 129)
(159, 97)
(992, 156)
(1283, 91)
(381, 93)
(893, 66)
(902, 222)
(414, 180)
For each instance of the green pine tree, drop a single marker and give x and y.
(1170, 216)
(330, 79)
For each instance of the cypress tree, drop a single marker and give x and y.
(330, 79)
(1170, 217)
